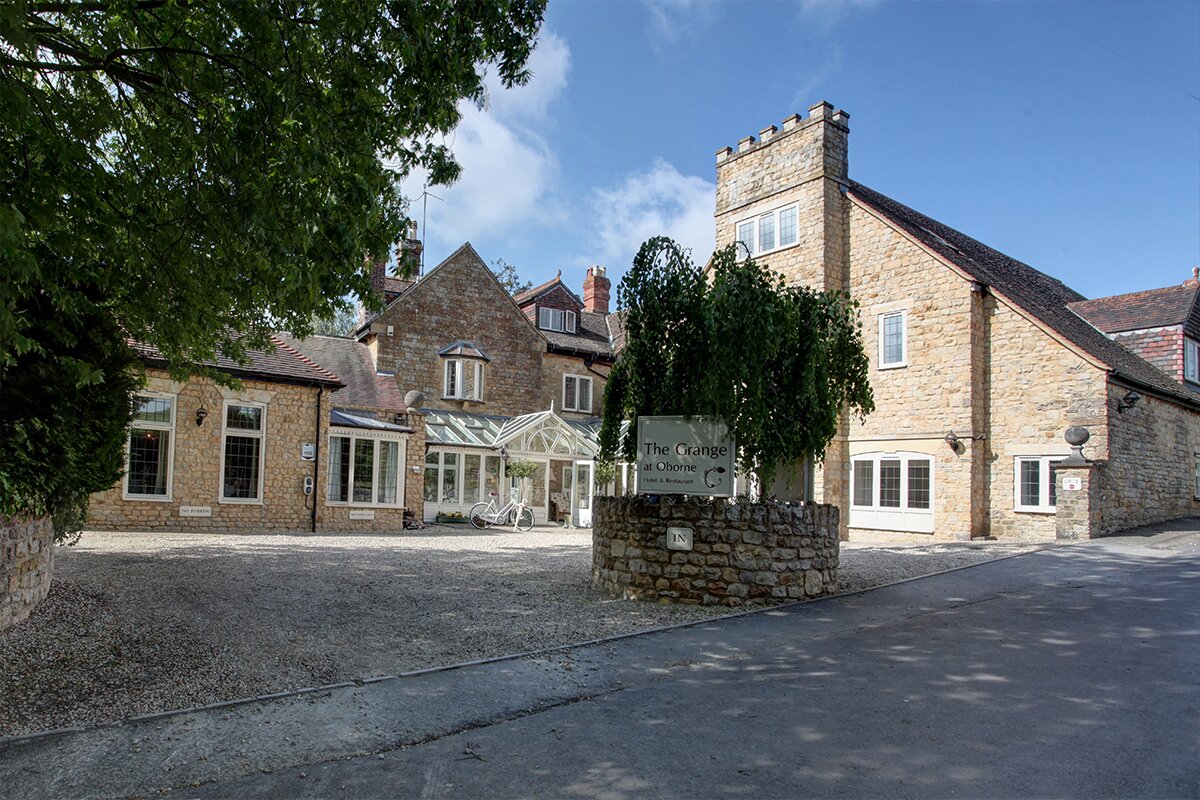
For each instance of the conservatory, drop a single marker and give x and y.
(466, 457)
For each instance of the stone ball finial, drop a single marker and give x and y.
(1077, 436)
(414, 399)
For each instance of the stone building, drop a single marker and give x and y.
(979, 363)
(320, 437)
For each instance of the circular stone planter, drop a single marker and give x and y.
(741, 552)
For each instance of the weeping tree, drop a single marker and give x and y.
(777, 364)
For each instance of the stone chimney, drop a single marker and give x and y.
(1195, 279)
(408, 253)
(595, 291)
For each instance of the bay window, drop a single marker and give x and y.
(462, 379)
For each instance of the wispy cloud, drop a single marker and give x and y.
(824, 15)
(660, 201)
(676, 21)
(810, 83)
(509, 167)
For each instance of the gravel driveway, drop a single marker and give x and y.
(145, 622)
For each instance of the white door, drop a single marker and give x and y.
(582, 489)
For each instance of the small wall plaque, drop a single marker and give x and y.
(362, 514)
(308, 452)
(195, 511)
(679, 538)
(1072, 484)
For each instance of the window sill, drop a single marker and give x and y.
(146, 498)
(379, 506)
(462, 399)
(234, 501)
(1042, 511)
(901, 365)
(757, 253)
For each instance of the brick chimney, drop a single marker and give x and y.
(595, 291)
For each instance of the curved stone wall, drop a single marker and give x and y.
(26, 566)
(741, 552)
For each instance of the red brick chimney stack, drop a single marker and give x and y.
(595, 291)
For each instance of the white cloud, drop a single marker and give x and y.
(508, 166)
(658, 202)
(825, 14)
(674, 21)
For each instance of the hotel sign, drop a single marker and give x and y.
(677, 455)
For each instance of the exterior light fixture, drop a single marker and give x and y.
(1127, 402)
(201, 415)
(504, 453)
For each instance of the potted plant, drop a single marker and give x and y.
(452, 518)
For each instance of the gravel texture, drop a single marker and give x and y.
(144, 622)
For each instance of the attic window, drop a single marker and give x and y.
(553, 319)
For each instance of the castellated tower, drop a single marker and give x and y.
(782, 196)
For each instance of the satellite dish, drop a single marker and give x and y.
(414, 399)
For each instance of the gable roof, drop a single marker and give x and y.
(1153, 308)
(362, 385)
(279, 364)
(531, 295)
(1044, 298)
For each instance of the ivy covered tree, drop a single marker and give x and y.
(777, 364)
(194, 175)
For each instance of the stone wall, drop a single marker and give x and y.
(742, 553)
(461, 299)
(554, 367)
(291, 420)
(26, 566)
(1151, 470)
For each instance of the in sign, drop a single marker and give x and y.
(679, 538)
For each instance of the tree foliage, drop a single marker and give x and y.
(778, 364)
(194, 175)
(509, 278)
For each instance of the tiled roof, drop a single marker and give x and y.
(395, 286)
(1042, 297)
(1154, 308)
(280, 364)
(352, 362)
(589, 339)
(530, 295)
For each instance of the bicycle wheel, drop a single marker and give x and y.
(480, 516)
(525, 520)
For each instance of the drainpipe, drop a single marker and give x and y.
(317, 459)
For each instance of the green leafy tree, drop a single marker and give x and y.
(506, 273)
(778, 364)
(339, 319)
(194, 175)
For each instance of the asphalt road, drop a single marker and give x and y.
(1070, 672)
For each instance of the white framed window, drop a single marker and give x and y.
(462, 379)
(765, 233)
(1196, 477)
(243, 439)
(1033, 484)
(366, 469)
(892, 491)
(150, 450)
(1191, 360)
(452, 383)
(577, 393)
(893, 339)
(477, 384)
(554, 319)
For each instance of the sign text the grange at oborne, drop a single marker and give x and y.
(677, 455)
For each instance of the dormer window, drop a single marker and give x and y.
(553, 319)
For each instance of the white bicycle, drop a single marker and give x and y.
(485, 515)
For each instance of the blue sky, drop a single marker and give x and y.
(1066, 135)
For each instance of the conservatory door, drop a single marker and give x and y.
(581, 493)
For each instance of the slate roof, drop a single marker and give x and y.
(280, 364)
(1153, 308)
(1042, 297)
(362, 386)
(590, 338)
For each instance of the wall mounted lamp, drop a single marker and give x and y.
(201, 415)
(504, 453)
(1127, 402)
(955, 442)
